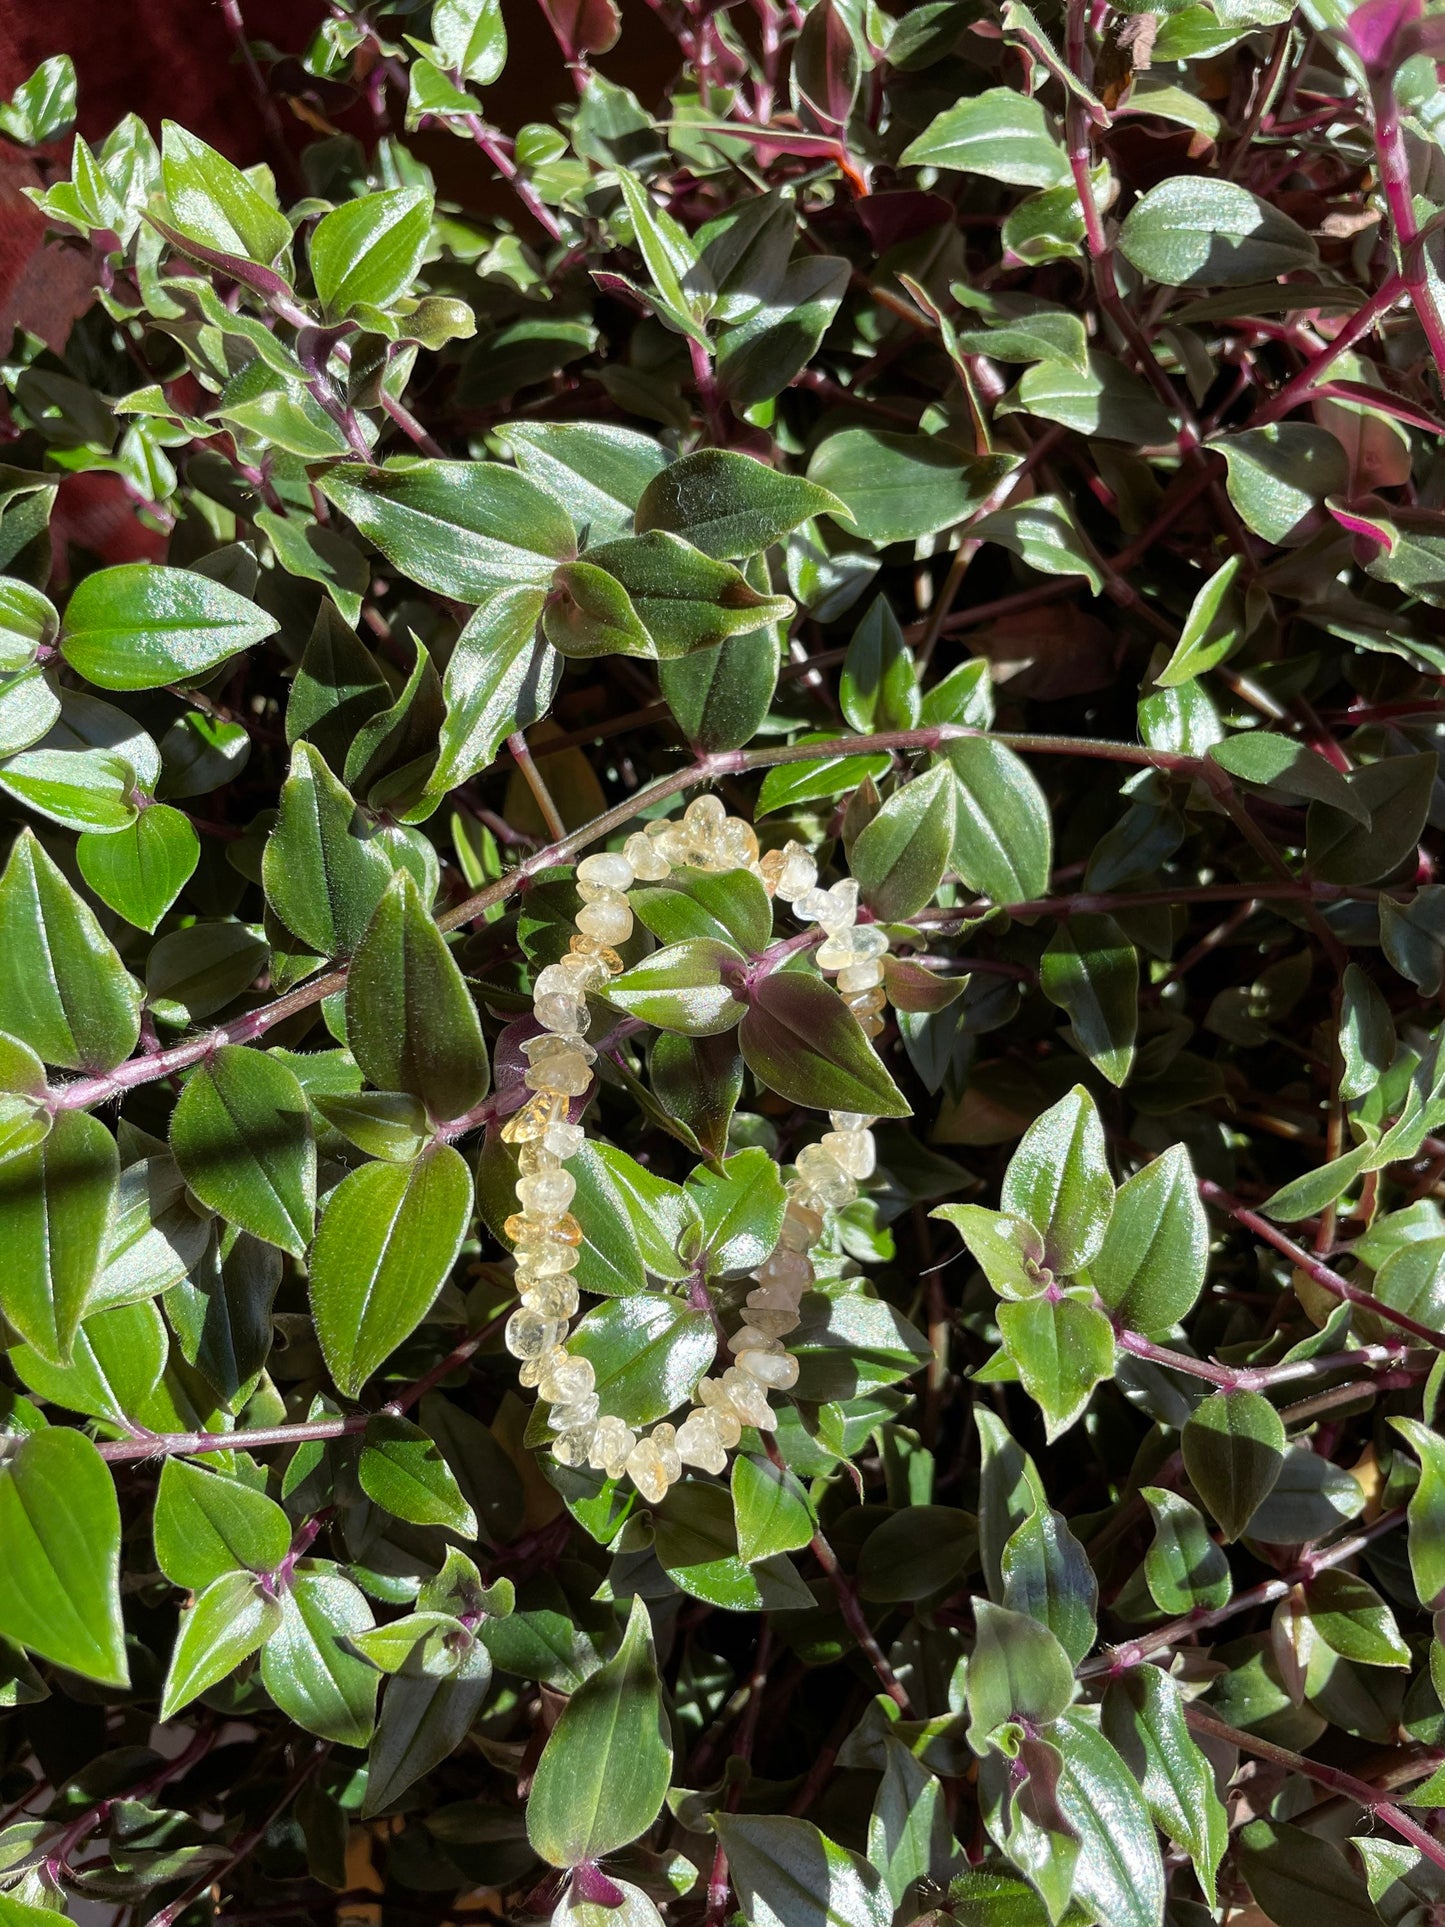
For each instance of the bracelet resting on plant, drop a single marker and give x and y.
(545, 1234)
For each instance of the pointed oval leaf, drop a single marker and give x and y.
(1003, 844)
(57, 1203)
(242, 1135)
(60, 1527)
(323, 876)
(232, 1619)
(140, 626)
(207, 1524)
(1234, 1452)
(1149, 1270)
(730, 505)
(64, 990)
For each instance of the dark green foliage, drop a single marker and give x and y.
(992, 454)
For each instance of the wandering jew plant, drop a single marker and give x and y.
(722, 1092)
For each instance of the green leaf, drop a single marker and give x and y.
(57, 1203)
(766, 351)
(1412, 936)
(1058, 1181)
(323, 875)
(918, 1552)
(1426, 1517)
(909, 1836)
(596, 470)
(721, 695)
(367, 251)
(788, 1874)
(698, 1081)
(402, 1471)
(1353, 1621)
(682, 284)
(60, 1526)
(696, 1545)
(1020, 328)
(999, 133)
(1396, 793)
(1063, 1347)
(742, 1205)
(140, 626)
(1213, 629)
(214, 203)
(771, 1509)
(241, 1134)
(878, 687)
(691, 987)
(1279, 762)
(462, 529)
(730, 505)
(410, 1020)
(27, 621)
(898, 488)
(207, 1524)
(900, 857)
(472, 38)
(232, 1619)
(388, 1238)
(117, 1358)
(811, 780)
(140, 871)
(1047, 1575)
(1367, 1034)
(1298, 1877)
(1119, 1875)
(64, 990)
(633, 1222)
(648, 1353)
(1143, 1719)
(726, 906)
(801, 1040)
(684, 599)
(1018, 1671)
(1192, 231)
(1009, 1250)
(1278, 474)
(501, 677)
(307, 1665)
(604, 1771)
(424, 1719)
(41, 109)
(1149, 1271)
(1106, 400)
(1233, 1451)
(1091, 970)
(1183, 1569)
(589, 613)
(29, 708)
(82, 790)
(1002, 840)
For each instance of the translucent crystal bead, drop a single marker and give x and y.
(801, 1228)
(649, 865)
(577, 1413)
(820, 1170)
(675, 842)
(574, 1447)
(777, 1370)
(523, 1228)
(860, 976)
(568, 1381)
(664, 1443)
(747, 1338)
(589, 955)
(611, 1443)
(534, 1118)
(646, 1471)
(775, 1320)
(851, 1120)
(835, 909)
(869, 1001)
(770, 868)
(859, 943)
(547, 1261)
(534, 1158)
(737, 845)
(792, 1270)
(797, 874)
(748, 1399)
(564, 1140)
(548, 1194)
(699, 1442)
(530, 1336)
(704, 817)
(716, 1400)
(606, 870)
(559, 1064)
(549, 1297)
(607, 918)
(533, 1368)
(855, 1151)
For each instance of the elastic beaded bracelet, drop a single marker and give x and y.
(544, 1234)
